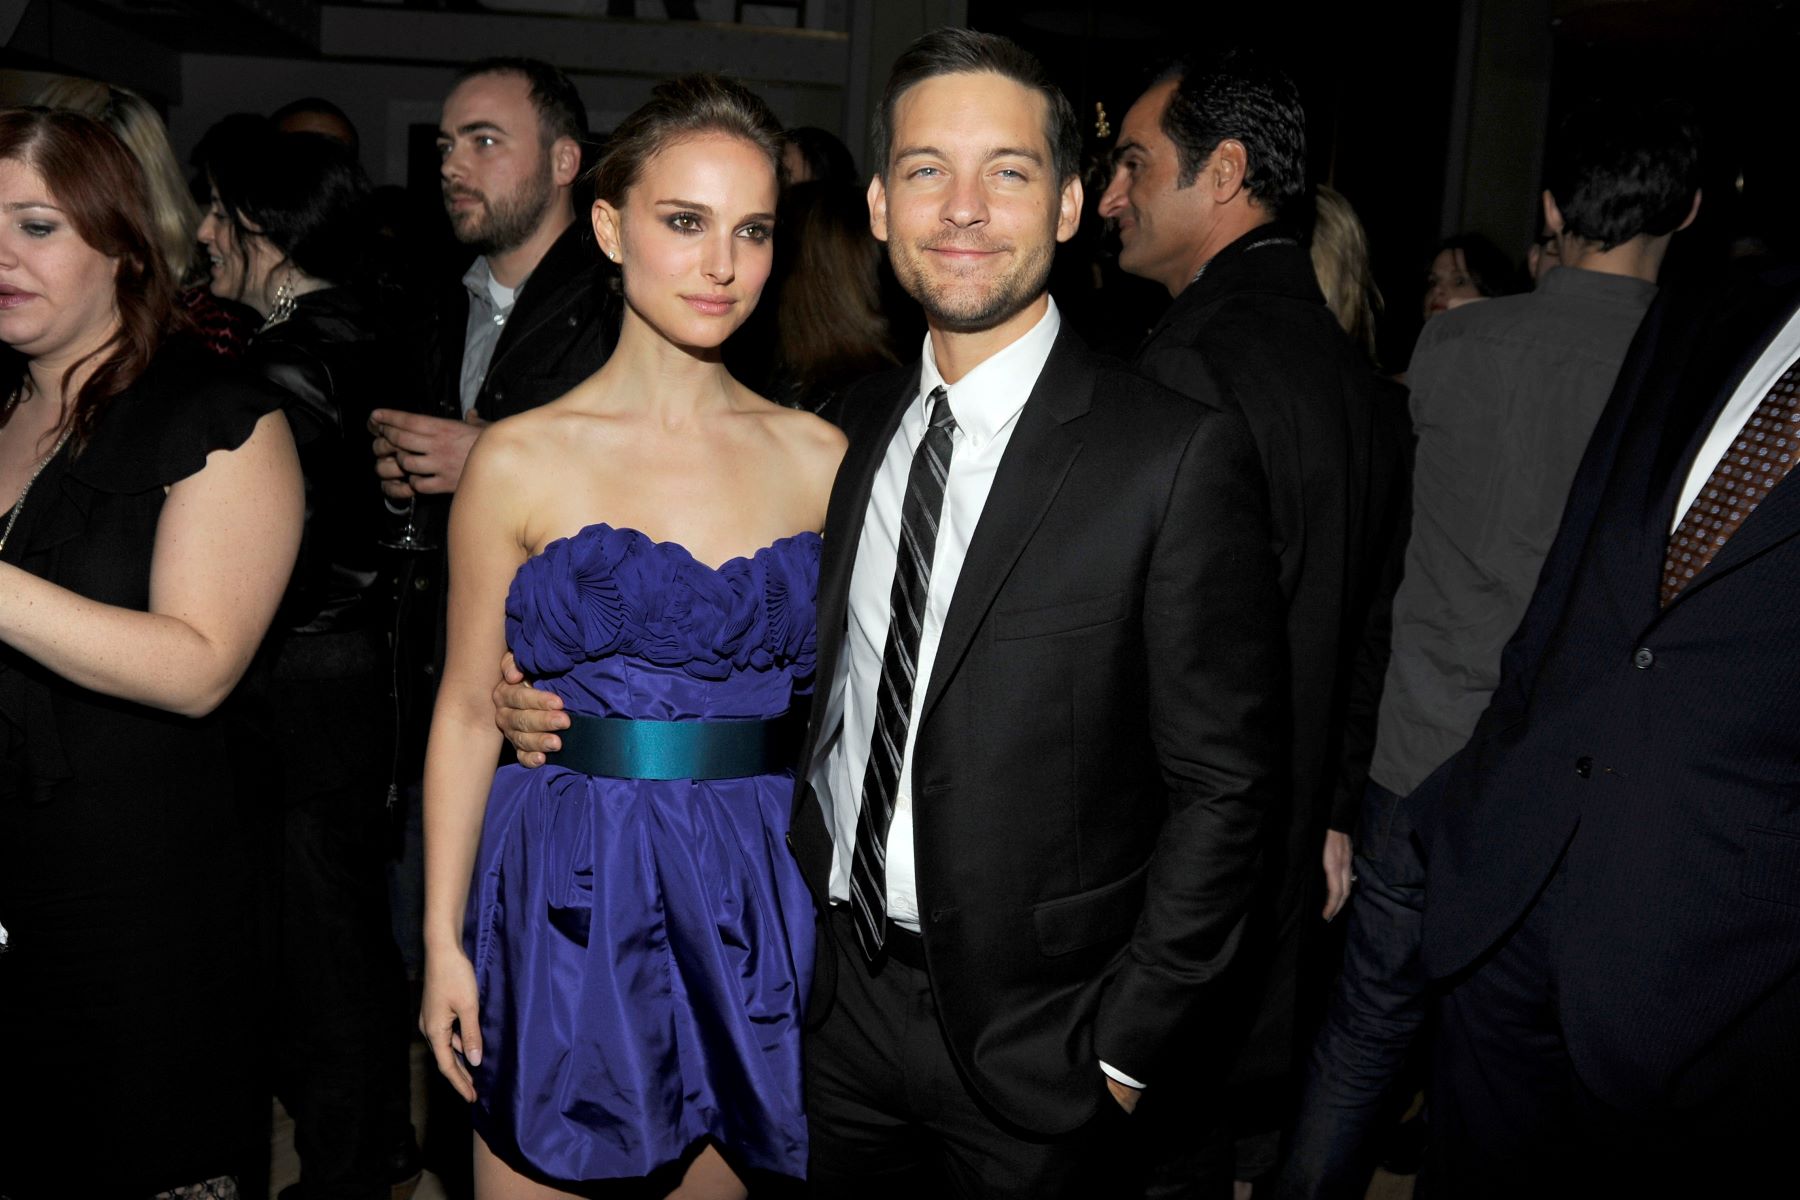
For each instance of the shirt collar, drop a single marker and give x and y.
(477, 278)
(988, 398)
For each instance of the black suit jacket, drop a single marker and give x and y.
(1253, 335)
(1101, 736)
(1655, 752)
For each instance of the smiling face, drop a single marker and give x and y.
(497, 175)
(240, 262)
(57, 293)
(970, 205)
(693, 237)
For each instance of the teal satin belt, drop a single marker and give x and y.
(620, 748)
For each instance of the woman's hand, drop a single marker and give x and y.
(449, 1017)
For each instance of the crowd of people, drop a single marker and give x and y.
(934, 754)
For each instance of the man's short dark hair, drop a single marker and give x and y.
(559, 108)
(323, 108)
(966, 52)
(1618, 169)
(1236, 95)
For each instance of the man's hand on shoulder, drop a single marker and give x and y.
(528, 717)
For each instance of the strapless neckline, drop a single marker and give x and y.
(603, 528)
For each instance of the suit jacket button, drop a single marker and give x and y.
(1643, 658)
(1584, 766)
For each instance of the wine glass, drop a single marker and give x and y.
(412, 534)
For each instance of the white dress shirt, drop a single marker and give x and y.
(986, 404)
(1756, 383)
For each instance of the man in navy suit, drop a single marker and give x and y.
(1608, 911)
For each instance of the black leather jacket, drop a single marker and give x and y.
(335, 364)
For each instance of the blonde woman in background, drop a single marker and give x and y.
(1340, 259)
(175, 218)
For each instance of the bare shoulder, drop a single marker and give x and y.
(809, 435)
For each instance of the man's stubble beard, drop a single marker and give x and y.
(509, 221)
(1010, 293)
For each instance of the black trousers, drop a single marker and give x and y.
(892, 1116)
(341, 1034)
(1510, 1116)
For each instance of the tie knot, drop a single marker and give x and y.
(941, 417)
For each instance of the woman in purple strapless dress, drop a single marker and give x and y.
(618, 943)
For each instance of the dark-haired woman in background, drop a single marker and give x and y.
(1463, 268)
(830, 328)
(155, 509)
(286, 232)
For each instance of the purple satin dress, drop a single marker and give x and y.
(643, 948)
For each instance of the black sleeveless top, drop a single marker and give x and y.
(123, 839)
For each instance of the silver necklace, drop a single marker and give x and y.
(19, 504)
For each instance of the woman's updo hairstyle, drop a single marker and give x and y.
(679, 109)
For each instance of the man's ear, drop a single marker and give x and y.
(1068, 218)
(1693, 211)
(565, 161)
(878, 223)
(1226, 169)
(1553, 217)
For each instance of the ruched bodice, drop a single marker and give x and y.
(621, 625)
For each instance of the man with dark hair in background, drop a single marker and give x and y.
(315, 114)
(1210, 161)
(1505, 395)
(532, 316)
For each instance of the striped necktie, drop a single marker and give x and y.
(919, 514)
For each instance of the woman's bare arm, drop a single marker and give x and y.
(225, 546)
(487, 544)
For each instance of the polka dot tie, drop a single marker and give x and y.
(1758, 460)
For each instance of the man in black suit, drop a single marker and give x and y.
(1050, 710)
(1210, 164)
(1609, 899)
(1612, 883)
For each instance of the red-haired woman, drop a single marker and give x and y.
(154, 513)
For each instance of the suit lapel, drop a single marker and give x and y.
(1031, 472)
(1778, 516)
(871, 422)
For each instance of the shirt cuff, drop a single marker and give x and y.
(1119, 1076)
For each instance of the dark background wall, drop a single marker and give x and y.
(1430, 115)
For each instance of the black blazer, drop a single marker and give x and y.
(1655, 751)
(1101, 737)
(1252, 335)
